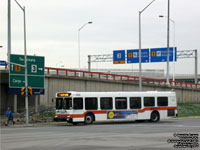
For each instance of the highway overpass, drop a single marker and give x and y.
(75, 80)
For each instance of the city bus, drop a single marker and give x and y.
(87, 107)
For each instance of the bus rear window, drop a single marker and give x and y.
(162, 101)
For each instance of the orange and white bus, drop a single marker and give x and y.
(87, 107)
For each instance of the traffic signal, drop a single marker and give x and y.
(30, 91)
(23, 91)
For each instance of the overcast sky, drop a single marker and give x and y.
(52, 30)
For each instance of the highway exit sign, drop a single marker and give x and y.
(119, 57)
(35, 71)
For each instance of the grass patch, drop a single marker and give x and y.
(47, 114)
(188, 110)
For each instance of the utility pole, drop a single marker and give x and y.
(89, 63)
(196, 67)
(168, 19)
(9, 31)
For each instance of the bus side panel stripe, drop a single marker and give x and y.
(83, 115)
(155, 108)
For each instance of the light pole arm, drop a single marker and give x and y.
(161, 16)
(147, 6)
(19, 5)
(82, 26)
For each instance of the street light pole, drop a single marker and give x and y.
(140, 59)
(79, 53)
(161, 16)
(25, 64)
(168, 18)
(9, 31)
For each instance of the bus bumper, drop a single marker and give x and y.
(70, 120)
(59, 119)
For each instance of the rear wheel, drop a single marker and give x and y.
(88, 119)
(155, 117)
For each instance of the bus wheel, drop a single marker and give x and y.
(155, 117)
(88, 119)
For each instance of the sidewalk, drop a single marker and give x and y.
(37, 125)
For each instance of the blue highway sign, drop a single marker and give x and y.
(119, 57)
(160, 54)
(2, 63)
(34, 91)
(133, 56)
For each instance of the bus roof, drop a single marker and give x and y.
(120, 93)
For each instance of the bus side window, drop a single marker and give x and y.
(106, 103)
(162, 101)
(121, 103)
(135, 102)
(78, 103)
(91, 103)
(149, 101)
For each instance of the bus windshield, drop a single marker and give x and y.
(67, 103)
(63, 103)
(59, 103)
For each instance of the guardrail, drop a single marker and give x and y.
(117, 77)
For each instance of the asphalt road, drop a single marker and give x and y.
(100, 136)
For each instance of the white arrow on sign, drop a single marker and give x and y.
(40, 69)
(12, 67)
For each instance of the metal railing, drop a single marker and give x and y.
(117, 77)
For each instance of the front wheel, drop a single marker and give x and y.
(88, 119)
(155, 117)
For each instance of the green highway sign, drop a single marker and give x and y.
(35, 71)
